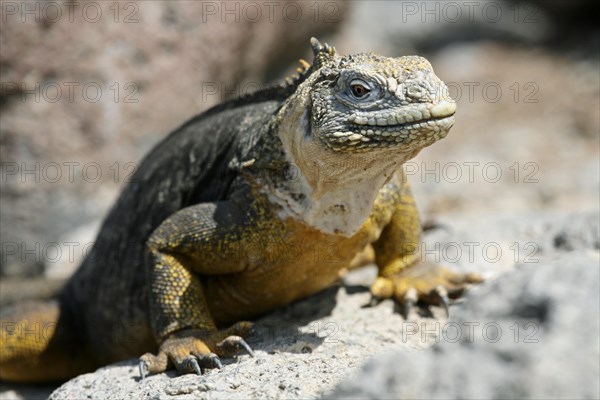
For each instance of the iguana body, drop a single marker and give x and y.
(250, 206)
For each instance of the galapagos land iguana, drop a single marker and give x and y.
(226, 219)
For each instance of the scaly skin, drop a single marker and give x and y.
(248, 207)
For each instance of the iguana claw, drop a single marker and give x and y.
(194, 364)
(143, 367)
(233, 344)
(211, 360)
(442, 294)
(246, 347)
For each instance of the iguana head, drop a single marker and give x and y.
(350, 124)
(366, 102)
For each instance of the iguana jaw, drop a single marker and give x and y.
(415, 132)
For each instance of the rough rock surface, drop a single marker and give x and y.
(302, 349)
(537, 337)
(306, 349)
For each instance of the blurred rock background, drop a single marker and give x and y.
(88, 87)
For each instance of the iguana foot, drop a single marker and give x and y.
(427, 282)
(194, 350)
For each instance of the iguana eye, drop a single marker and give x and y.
(359, 89)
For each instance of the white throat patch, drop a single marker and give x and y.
(333, 192)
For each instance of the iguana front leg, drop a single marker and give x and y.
(198, 240)
(403, 275)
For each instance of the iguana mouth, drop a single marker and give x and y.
(418, 125)
(363, 137)
(405, 115)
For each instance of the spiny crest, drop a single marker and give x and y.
(302, 71)
(323, 53)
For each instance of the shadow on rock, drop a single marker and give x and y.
(289, 329)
